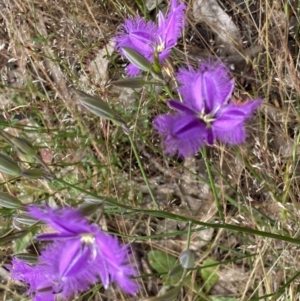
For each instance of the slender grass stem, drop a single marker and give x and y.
(189, 235)
(168, 91)
(212, 184)
(143, 171)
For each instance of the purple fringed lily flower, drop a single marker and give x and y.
(205, 113)
(147, 38)
(39, 284)
(80, 254)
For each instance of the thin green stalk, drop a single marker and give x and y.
(229, 227)
(143, 171)
(189, 235)
(168, 91)
(276, 295)
(175, 217)
(212, 184)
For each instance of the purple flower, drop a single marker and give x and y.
(80, 254)
(205, 113)
(39, 284)
(147, 38)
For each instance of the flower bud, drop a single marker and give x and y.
(187, 259)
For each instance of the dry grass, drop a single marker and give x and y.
(48, 47)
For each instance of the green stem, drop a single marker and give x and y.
(143, 171)
(168, 91)
(180, 282)
(212, 184)
(175, 217)
(172, 216)
(189, 235)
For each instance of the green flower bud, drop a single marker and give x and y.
(187, 259)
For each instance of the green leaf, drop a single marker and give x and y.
(137, 59)
(8, 166)
(176, 270)
(91, 208)
(12, 235)
(28, 257)
(192, 284)
(161, 262)
(25, 219)
(214, 298)
(135, 82)
(9, 201)
(209, 274)
(34, 173)
(21, 243)
(22, 145)
(98, 107)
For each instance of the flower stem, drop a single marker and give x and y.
(212, 184)
(189, 235)
(142, 171)
(168, 91)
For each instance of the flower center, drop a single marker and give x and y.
(87, 238)
(207, 118)
(160, 47)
